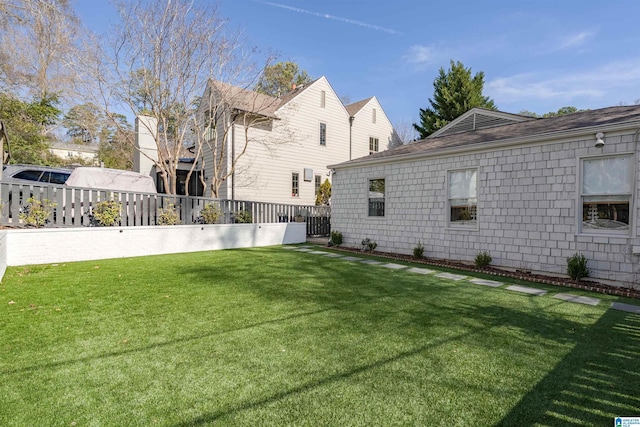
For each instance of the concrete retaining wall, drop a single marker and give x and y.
(43, 246)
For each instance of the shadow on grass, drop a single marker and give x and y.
(597, 381)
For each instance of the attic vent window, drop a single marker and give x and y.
(373, 116)
(323, 97)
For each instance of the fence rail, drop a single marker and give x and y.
(73, 207)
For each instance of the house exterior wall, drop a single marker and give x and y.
(265, 172)
(292, 144)
(528, 208)
(363, 128)
(69, 151)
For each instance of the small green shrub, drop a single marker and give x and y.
(368, 244)
(36, 213)
(418, 251)
(483, 259)
(577, 267)
(106, 213)
(168, 215)
(210, 213)
(336, 238)
(243, 217)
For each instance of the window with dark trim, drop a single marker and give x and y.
(323, 134)
(318, 183)
(295, 184)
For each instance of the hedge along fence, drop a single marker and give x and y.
(55, 245)
(73, 206)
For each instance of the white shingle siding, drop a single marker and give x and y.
(528, 198)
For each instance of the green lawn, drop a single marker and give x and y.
(275, 337)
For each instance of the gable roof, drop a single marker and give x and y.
(585, 122)
(353, 109)
(295, 92)
(479, 118)
(245, 99)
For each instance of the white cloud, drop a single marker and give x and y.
(574, 40)
(419, 54)
(598, 84)
(333, 17)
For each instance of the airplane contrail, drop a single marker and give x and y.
(327, 16)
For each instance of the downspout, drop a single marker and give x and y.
(350, 131)
(233, 156)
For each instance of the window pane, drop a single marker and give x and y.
(323, 133)
(599, 215)
(31, 175)
(295, 179)
(376, 197)
(58, 178)
(462, 184)
(607, 176)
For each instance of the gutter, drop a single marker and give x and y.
(488, 146)
(351, 118)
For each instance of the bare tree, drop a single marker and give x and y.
(235, 119)
(36, 46)
(405, 132)
(159, 63)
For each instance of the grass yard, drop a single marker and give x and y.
(274, 337)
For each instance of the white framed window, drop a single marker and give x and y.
(373, 145)
(376, 197)
(295, 184)
(463, 198)
(373, 116)
(323, 134)
(323, 99)
(605, 194)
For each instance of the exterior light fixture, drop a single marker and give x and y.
(599, 140)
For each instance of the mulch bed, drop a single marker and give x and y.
(587, 285)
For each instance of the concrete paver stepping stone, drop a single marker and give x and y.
(451, 276)
(303, 250)
(289, 247)
(629, 308)
(578, 299)
(394, 266)
(421, 270)
(333, 255)
(485, 282)
(526, 290)
(371, 262)
(318, 252)
(351, 258)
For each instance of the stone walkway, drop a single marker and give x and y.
(314, 250)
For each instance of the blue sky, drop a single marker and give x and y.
(536, 55)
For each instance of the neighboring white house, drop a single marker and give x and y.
(287, 142)
(531, 192)
(88, 153)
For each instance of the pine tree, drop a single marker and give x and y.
(455, 93)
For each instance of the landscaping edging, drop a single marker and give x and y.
(520, 275)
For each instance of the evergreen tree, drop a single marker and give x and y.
(455, 93)
(278, 79)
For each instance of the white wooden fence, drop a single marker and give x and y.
(73, 206)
